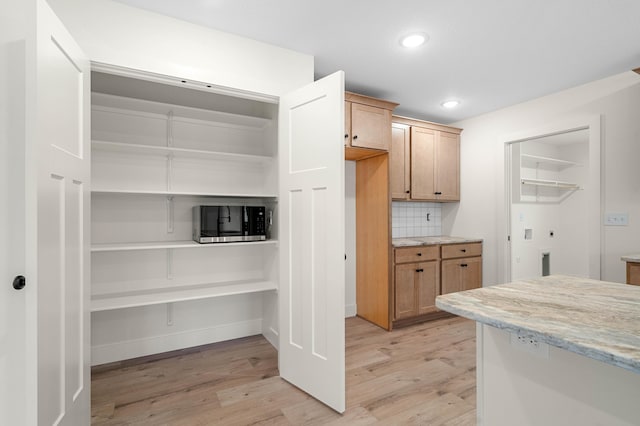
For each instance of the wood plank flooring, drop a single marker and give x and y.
(418, 375)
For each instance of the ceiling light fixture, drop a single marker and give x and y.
(413, 40)
(450, 104)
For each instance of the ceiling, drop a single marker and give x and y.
(488, 54)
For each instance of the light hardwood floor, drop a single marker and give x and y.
(419, 375)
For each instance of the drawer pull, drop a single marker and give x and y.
(463, 250)
(418, 254)
(419, 270)
(438, 193)
(463, 265)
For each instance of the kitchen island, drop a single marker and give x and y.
(557, 350)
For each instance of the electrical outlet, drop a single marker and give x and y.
(616, 219)
(530, 345)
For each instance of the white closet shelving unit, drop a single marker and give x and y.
(536, 178)
(157, 153)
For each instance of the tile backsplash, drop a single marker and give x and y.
(415, 219)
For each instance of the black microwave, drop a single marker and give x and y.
(226, 224)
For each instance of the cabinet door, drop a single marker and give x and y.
(405, 290)
(427, 286)
(461, 274)
(347, 123)
(422, 163)
(447, 167)
(45, 332)
(311, 224)
(400, 161)
(370, 127)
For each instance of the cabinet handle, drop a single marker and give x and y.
(418, 254)
(407, 191)
(419, 270)
(463, 265)
(355, 137)
(438, 193)
(346, 135)
(463, 250)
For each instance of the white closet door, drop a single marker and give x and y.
(311, 153)
(55, 346)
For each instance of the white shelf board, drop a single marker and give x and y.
(96, 248)
(132, 299)
(178, 193)
(547, 160)
(177, 152)
(550, 183)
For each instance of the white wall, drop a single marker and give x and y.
(482, 212)
(113, 33)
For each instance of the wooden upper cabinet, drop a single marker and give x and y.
(433, 161)
(423, 148)
(400, 161)
(447, 167)
(367, 122)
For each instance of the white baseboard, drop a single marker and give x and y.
(350, 310)
(272, 337)
(102, 354)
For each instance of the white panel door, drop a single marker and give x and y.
(54, 383)
(311, 153)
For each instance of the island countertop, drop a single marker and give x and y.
(597, 319)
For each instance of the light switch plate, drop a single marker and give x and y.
(616, 219)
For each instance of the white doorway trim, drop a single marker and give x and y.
(595, 203)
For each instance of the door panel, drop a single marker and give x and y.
(447, 166)
(405, 294)
(427, 287)
(451, 276)
(399, 167)
(422, 164)
(311, 153)
(471, 274)
(58, 300)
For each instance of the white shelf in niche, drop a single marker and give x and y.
(178, 152)
(178, 193)
(551, 184)
(105, 302)
(533, 160)
(96, 248)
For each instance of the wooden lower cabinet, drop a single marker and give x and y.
(417, 286)
(461, 274)
(633, 273)
(421, 273)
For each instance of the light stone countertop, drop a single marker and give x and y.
(597, 319)
(425, 241)
(634, 258)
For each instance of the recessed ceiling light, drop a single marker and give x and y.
(413, 40)
(450, 104)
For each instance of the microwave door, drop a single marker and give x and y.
(229, 221)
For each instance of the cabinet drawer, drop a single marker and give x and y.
(450, 251)
(416, 254)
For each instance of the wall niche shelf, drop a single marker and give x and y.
(551, 184)
(131, 299)
(268, 197)
(97, 248)
(142, 149)
(535, 160)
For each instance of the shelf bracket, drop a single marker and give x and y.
(170, 129)
(170, 214)
(169, 264)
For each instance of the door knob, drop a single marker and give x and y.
(19, 282)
